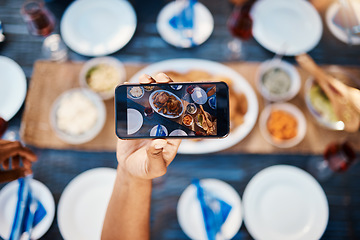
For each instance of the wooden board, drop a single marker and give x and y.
(50, 79)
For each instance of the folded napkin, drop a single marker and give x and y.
(29, 210)
(184, 21)
(215, 211)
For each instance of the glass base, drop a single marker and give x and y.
(235, 48)
(319, 168)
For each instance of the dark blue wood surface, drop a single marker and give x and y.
(56, 168)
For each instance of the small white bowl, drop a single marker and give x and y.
(106, 61)
(295, 112)
(90, 133)
(289, 69)
(333, 125)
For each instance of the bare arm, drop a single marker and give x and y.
(128, 213)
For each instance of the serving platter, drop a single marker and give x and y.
(156, 109)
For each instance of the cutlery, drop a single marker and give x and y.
(343, 98)
(2, 36)
(208, 122)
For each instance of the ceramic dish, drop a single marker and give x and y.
(287, 70)
(190, 216)
(285, 203)
(203, 25)
(103, 71)
(98, 28)
(72, 116)
(156, 109)
(12, 87)
(336, 30)
(295, 113)
(295, 24)
(134, 121)
(83, 203)
(8, 200)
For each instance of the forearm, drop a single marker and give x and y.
(128, 213)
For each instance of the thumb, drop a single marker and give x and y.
(10, 175)
(156, 164)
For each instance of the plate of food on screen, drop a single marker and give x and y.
(166, 104)
(244, 105)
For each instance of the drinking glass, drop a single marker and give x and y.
(148, 112)
(41, 22)
(337, 157)
(3, 126)
(240, 27)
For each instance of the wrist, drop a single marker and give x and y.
(127, 177)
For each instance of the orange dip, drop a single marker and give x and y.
(187, 120)
(282, 125)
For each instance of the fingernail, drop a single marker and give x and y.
(158, 147)
(148, 77)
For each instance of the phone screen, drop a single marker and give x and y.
(172, 110)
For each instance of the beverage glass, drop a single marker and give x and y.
(337, 157)
(3, 126)
(148, 112)
(39, 20)
(240, 27)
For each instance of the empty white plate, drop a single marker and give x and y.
(285, 203)
(97, 28)
(83, 203)
(290, 27)
(190, 215)
(8, 201)
(134, 120)
(12, 87)
(203, 25)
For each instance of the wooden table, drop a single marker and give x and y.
(56, 168)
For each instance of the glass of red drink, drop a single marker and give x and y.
(148, 112)
(39, 20)
(3, 126)
(337, 157)
(240, 27)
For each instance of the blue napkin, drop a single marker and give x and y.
(215, 211)
(26, 217)
(184, 21)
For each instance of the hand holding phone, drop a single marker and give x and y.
(172, 110)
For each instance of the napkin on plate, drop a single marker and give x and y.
(215, 211)
(29, 210)
(184, 21)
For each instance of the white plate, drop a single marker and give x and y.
(154, 130)
(12, 87)
(335, 30)
(292, 27)
(83, 203)
(240, 85)
(190, 215)
(97, 28)
(134, 120)
(156, 109)
(178, 132)
(285, 203)
(203, 25)
(8, 201)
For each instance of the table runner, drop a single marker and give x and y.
(50, 79)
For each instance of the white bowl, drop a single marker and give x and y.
(334, 125)
(289, 69)
(106, 61)
(295, 112)
(90, 133)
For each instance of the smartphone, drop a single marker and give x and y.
(172, 110)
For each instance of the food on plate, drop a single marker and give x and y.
(148, 88)
(136, 92)
(76, 114)
(191, 108)
(167, 103)
(276, 81)
(187, 120)
(282, 125)
(321, 103)
(237, 100)
(102, 77)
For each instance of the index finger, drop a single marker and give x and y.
(162, 78)
(146, 79)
